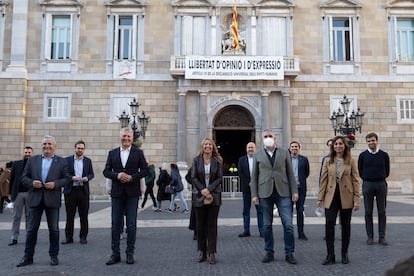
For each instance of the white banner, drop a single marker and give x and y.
(234, 67)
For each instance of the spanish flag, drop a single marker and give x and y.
(235, 28)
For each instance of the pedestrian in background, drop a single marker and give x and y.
(245, 168)
(18, 195)
(77, 192)
(300, 164)
(5, 185)
(149, 186)
(162, 182)
(374, 168)
(125, 166)
(178, 187)
(339, 192)
(206, 177)
(44, 176)
(273, 182)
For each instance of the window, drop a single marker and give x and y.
(57, 107)
(405, 109)
(61, 37)
(118, 104)
(193, 35)
(125, 38)
(273, 37)
(341, 39)
(405, 40)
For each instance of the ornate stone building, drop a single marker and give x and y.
(70, 67)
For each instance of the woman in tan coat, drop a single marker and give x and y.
(4, 185)
(340, 192)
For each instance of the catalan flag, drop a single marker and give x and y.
(235, 28)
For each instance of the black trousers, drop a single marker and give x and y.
(206, 220)
(77, 199)
(330, 217)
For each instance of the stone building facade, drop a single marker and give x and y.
(69, 67)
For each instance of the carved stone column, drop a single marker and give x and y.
(181, 136)
(203, 114)
(286, 122)
(18, 37)
(265, 108)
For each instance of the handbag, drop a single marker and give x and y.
(169, 189)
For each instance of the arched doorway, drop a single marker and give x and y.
(233, 128)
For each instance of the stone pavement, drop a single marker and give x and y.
(165, 247)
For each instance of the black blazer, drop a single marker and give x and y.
(136, 166)
(87, 171)
(303, 171)
(199, 183)
(16, 178)
(244, 174)
(58, 173)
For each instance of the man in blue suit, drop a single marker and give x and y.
(273, 182)
(77, 193)
(244, 168)
(300, 166)
(125, 166)
(44, 175)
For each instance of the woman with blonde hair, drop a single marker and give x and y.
(206, 178)
(340, 192)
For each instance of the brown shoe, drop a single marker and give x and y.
(370, 241)
(382, 241)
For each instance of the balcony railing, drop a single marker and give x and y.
(291, 66)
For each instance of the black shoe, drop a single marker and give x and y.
(268, 257)
(113, 260)
(25, 261)
(330, 259)
(67, 241)
(383, 241)
(202, 257)
(370, 241)
(345, 259)
(244, 234)
(291, 259)
(54, 260)
(130, 259)
(13, 242)
(83, 241)
(303, 237)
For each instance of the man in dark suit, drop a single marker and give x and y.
(300, 166)
(44, 175)
(77, 192)
(244, 168)
(19, 194)
(125, 166)
(273, 182)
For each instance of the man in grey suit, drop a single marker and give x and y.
(44, 175)
(273, 182)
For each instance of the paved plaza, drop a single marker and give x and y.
(165, 247)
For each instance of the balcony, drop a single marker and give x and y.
(291, 66)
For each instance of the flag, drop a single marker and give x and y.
(235, 28)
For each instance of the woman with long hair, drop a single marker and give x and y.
(206, 177)
(340, 192)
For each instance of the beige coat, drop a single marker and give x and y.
(349, 184)
(4, 182)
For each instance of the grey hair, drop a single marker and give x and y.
(49, 137)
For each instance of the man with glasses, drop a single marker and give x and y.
(76, 193)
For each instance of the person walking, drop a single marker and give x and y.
(245, 167)
(339, 192)
(18, 195)
(162, 182)
(206, 178)
(374, 168)
(77, 192)
(178, 186)
(149, 184)
(300, 164)
(273, 182)
(125, 166)
(5, 185)
(44, 176)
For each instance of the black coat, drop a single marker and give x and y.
(162, 182)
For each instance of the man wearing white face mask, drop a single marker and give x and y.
(273, 182)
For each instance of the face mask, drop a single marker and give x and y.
(268, 142)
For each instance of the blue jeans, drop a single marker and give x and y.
(181, 197)
(378, 190)
(35, 216)
(247, 203)
(124, 206)
(284, 205)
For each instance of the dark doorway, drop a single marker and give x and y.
(234, 127)
(232, 145)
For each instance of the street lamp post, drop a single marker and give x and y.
(345, 122)
(143, 120)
